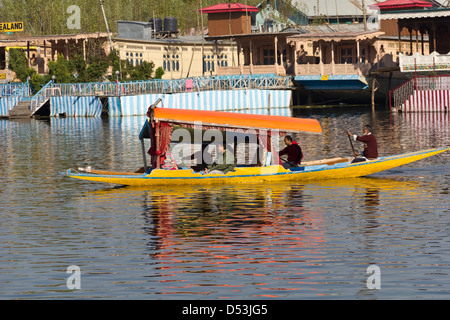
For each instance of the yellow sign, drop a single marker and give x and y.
(324, 78)
(11, 26)
(2, 76)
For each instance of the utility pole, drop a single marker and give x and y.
(107, 28)
(337, 13)
(364, 14)
(203, 39)
(110, 41)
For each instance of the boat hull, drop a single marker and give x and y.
(275, 173)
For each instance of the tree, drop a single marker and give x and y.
(42, 17)
(142, 71)
(78, 66)
(159, 73)
(18, 63)
(37, 81)
(60, 69)
(77, 70)
(96, 70)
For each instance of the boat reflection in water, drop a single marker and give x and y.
(264, 240)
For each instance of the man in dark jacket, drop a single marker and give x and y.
(370, 143)
(224, 163)
(293, 151)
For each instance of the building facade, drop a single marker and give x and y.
(40, 50)
(181, 57)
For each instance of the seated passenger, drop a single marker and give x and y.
(224, 163)
(169, 162)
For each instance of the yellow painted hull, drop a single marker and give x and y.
(258, 174)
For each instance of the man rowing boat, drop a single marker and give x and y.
(370, 151)
(293, 151)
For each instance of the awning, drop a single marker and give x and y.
(339, 82)
(233, 120)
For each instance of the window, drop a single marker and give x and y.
(363, 55)
(269, 56)
(347, 55)
(208, 63)
(171, 62)
(222, 61)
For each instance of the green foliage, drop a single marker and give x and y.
(43, 17)
(159, 73)
(142, 71)
(77, 70)
(18, 63)
(78, 67)
(37, 81)
(60, 69)
(96, 70)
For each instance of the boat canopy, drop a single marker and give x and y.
(230, 121)
(161, 121)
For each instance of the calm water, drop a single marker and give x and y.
(271, 241)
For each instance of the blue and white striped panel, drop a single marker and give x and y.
(252, 101)
(138, 105)
(60, 105)
(94, 107)
(114, 107)
(76, 106)
(280, 102)
(7, 103)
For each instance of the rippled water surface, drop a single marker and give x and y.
(266, 241)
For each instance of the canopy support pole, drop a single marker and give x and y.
(158, 157)
(143, 155)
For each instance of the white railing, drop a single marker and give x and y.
(15, 89)
(441, 82)
(402, 93)
(419, 63)
(45, 93)
(260, 81)
(332, 69)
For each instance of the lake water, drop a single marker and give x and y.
(317, 240)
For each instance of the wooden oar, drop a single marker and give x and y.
(351, 143)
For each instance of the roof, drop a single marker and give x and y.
(233, 120)
(402, 4)
(415, 14)
(332, 8)
(337, 35)
(229, 7)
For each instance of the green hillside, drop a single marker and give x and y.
(45, 17)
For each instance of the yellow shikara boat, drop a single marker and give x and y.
(161, 122)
